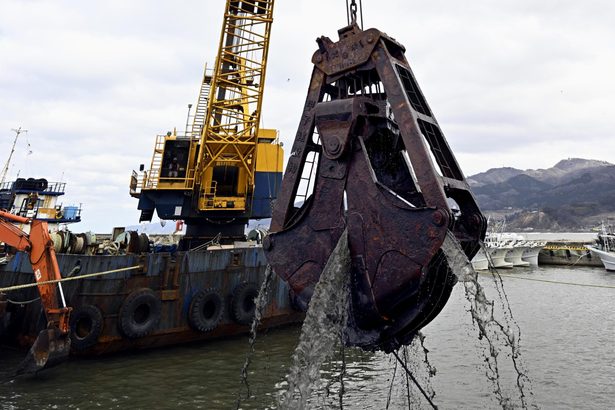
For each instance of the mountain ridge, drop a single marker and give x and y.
(573, 194)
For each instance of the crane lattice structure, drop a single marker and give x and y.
(230, 133)
(226, 169)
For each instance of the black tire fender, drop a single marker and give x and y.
(86, 325)
(140, 313)
(243, 304)
(206, 310)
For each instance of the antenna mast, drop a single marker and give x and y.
(5, 170)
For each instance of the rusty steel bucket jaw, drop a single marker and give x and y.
(369, 157)
(51, 348)
(52, 345)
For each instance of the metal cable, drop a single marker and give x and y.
(361, 11)
(407, 379)
(587, 285)
(391, 387)
(47, 282)
(347, 12)
(25, 302)
(409, 373)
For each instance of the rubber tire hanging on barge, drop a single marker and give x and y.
(86, 325)
(206, 310)
(242, 303)
(140, 313)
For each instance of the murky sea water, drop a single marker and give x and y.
(567, 349)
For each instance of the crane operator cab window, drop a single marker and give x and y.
(175, 161)
(226, 178)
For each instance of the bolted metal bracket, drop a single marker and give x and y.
(369, 157)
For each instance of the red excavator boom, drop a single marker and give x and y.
(52, 344)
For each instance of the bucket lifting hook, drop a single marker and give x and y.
(369, 157)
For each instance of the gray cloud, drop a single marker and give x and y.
(512, 83)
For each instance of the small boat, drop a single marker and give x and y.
(507, 249)
(497, 255)
(530, 254)
(604, 248)
(38, 198)
(496, 250)
(515, 252)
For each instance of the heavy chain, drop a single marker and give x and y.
(353, 11)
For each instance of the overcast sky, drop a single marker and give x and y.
(513, 83)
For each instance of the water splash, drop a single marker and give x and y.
(322, 329)
(414, 358)
(431, 370)
(260, 303)
(326, 321)
(494, 331)
(417, 360)
(323, 333)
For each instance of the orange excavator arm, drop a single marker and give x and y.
(12, 235)
(53, 343)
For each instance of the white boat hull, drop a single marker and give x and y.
(530, 255)
(607, 258)
(497, 257)
(515, 254)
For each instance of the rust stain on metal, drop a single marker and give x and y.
(369, 156)
(173, 279)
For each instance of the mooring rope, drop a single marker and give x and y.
(587, 285)
(409, 373)
(25, 302)
(577, 261)
(46, 282)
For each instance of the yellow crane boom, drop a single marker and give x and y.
(227, 169)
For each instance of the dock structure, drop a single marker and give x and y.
(572, 253)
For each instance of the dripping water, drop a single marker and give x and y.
(326, 319)
(260, 302)
(431, 370)
(491, 330)
(323, 333)
(322, 329)
(414, 359)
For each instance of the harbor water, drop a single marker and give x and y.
(567, 352)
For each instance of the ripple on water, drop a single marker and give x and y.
(576, 372)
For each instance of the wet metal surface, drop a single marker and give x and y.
(369, 156)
